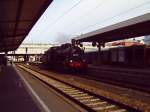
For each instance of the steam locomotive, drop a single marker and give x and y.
(65, 58)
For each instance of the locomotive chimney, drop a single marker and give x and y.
(73, 41)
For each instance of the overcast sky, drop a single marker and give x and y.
(65, 19)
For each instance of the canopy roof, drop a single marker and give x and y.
(17, 17)
(134, 27)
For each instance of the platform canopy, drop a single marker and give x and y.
(138, 26)
(17, 17)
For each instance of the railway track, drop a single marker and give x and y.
(134, 80)
(137, 81)
(88, 100)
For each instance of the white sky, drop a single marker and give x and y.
(64, 19)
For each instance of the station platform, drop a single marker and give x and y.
(13, 95)
(21, 92)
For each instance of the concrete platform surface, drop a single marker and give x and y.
(13, 95)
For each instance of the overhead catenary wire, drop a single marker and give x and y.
(92, 25)
(66, 12)
(88, 12)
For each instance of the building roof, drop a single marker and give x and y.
(17, 17)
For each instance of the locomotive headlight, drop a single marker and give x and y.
(71, 61)
(75, 54)
(84, 60)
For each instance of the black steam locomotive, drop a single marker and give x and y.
(65, 58)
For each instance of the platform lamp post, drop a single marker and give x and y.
(99, 51)
(26, 55)
(13, 56)
(5, 59)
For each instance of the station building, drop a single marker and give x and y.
(32, 51)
